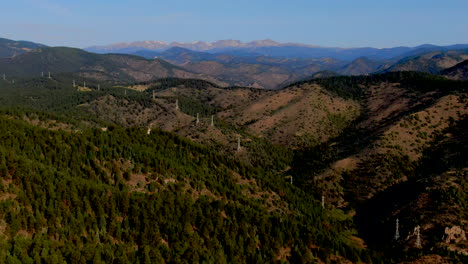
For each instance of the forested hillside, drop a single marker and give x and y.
(98, 171)
(122, 195)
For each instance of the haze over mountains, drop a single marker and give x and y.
(271, 48)
(196, 45)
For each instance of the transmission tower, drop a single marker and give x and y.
(397, 230)
(418, 237)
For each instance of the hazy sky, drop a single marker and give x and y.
(344, 23)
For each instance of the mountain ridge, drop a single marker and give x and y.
(272, 48)
(104, 67)
(196, 45)
(10, 48)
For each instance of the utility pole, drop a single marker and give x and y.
(397, 230)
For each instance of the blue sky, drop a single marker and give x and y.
(344, 23)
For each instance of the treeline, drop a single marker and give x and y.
(164, 83)
(354, 87)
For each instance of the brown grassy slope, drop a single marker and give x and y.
(296, 116)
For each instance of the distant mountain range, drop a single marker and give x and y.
(233, 67)
(196, 46)
(271, 48)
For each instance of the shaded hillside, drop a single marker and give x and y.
(432, 62)
(111, 67)
(434, 199)
(177, 55)
(379, 166)
(457, 72)
(11, 48)
(324, 74)
(361, 66)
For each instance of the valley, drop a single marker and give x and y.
(227, 158)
